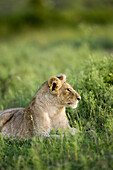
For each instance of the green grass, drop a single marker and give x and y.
(84, 54)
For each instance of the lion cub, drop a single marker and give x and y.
(45, 112)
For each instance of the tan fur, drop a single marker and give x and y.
(45, 112)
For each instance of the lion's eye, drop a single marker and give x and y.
(68, 90)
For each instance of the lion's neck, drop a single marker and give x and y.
(44, 103)
(45, 110)
(47, 107)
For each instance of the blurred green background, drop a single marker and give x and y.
(35, 13)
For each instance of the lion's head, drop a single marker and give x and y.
(65, 94)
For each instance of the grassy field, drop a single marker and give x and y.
(85, 55)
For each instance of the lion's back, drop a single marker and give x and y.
(11, 121)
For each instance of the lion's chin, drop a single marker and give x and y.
(73, 106)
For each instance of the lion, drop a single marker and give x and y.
(45, 112)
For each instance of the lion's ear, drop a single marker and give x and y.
(54, 85)
(62, 77)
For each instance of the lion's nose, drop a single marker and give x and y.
(79, 98)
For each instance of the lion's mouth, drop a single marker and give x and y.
(73, 105)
